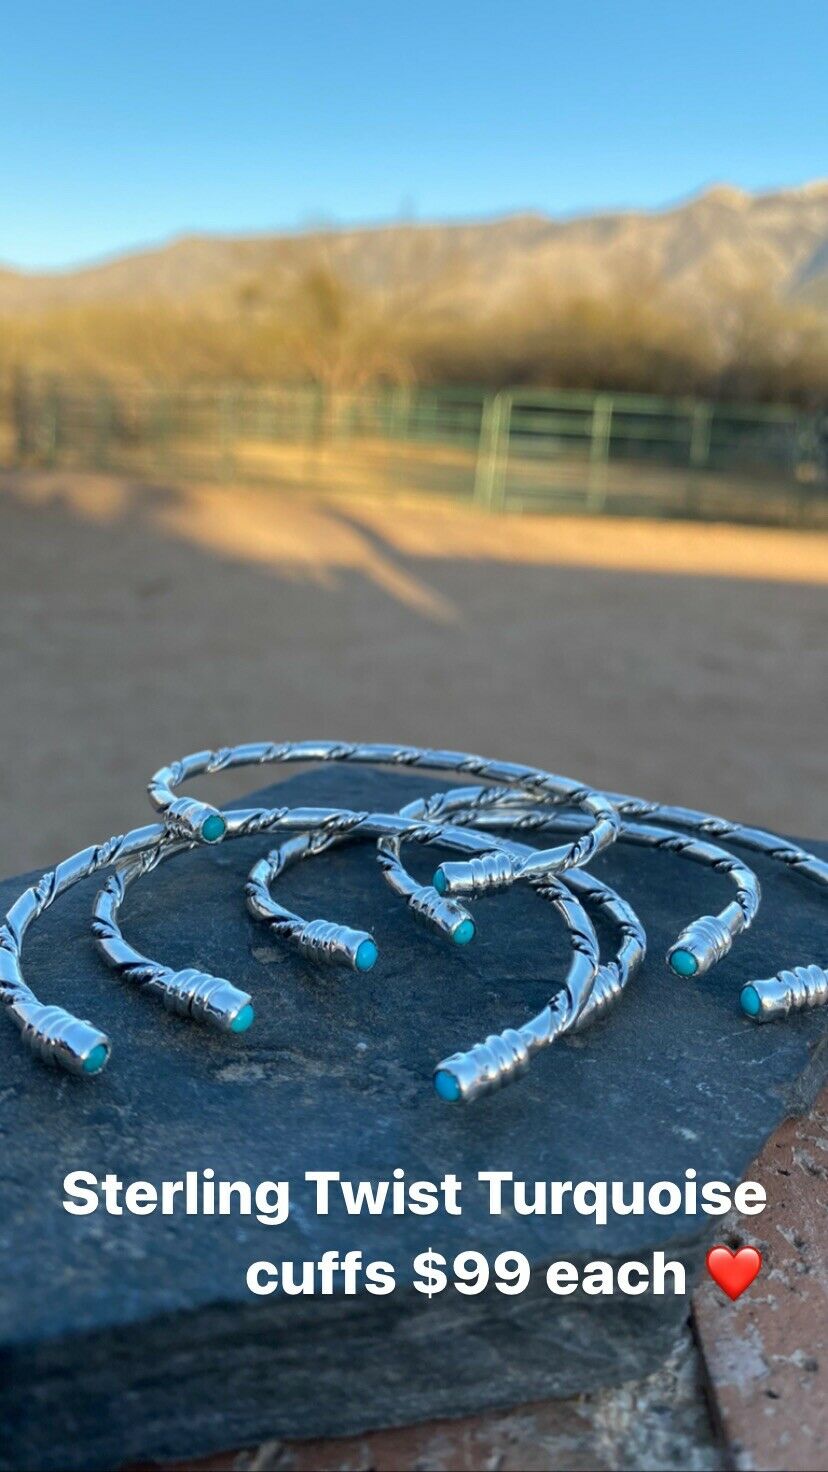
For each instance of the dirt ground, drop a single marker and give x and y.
(139, 622)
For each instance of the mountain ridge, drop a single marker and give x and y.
(719, 242)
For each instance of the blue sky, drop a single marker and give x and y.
(123, 123)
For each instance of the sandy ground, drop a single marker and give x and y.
(139, 622)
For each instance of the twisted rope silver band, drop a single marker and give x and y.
(504, 1056)
(58, 1036)
(53, 1034)
(707, 940)
(761, 1001)
(260, 902)
(545, 786)
(781, 850)
(700, 945)
(324, 940)
(188, 992)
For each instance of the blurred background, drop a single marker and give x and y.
(455, 375)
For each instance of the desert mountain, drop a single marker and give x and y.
(721, 242)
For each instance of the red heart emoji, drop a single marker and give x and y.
(733, 1271)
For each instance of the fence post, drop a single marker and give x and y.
(700, 426)
(493, 451)
(227, 432)
(400, 407)
(21, 408)
(159, 435)
(599, 450)
(700, 436)
(50, 424)
(319, 413)
(809, 463)
(104, 415)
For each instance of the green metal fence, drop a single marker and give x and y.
(514, 450)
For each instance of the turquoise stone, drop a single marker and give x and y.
(243, 1019)
(94, 1061)
(213, 828)
(684, 963)
(446, 1085)
(464, 933)
(366, 955)
(751, 1001)
(439, 882)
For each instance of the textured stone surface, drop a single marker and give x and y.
(644, 1426)
(129, 1337)
(762, 1385)
(767, 1354)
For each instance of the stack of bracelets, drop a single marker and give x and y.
(466, 820)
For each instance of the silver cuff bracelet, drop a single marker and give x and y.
(502, 1057)
(700, 945)
(465, 878)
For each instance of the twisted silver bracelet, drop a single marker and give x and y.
(318, 940)
(705, 940)
(487, 1066)
(57, 1036)
(317, 937)
(53, 1034)
(700, 946)
(710, 937)
(504, 1056)
(189, 818)
(187, 992)
(790, 990)
(523, 801)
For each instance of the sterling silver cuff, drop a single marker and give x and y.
(536, 784)
(700, 945)
(586, 994)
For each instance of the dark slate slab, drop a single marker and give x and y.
(126, 1337)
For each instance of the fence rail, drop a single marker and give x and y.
(512, 450)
